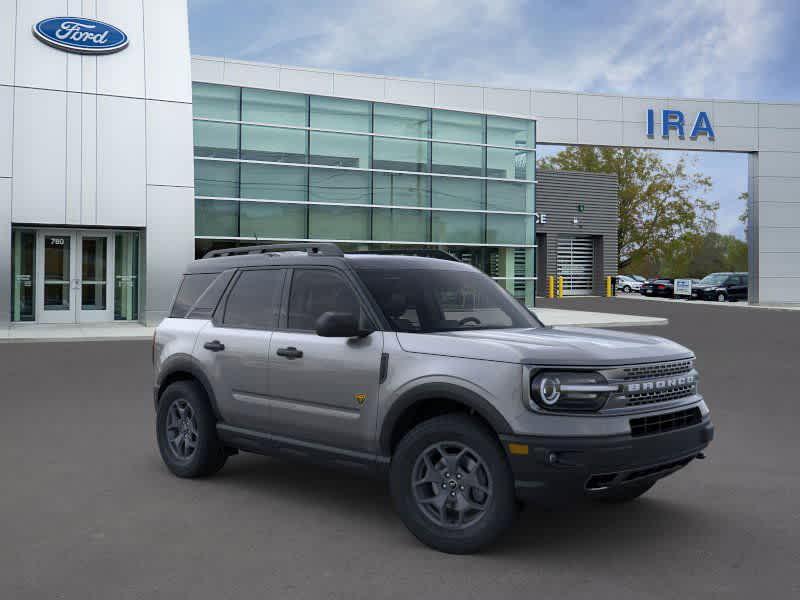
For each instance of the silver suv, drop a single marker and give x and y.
(421, 370)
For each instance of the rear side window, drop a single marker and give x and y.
(192, 287)
(254, 300)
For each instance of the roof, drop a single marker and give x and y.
(301, 258)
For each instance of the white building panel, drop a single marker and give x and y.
(250, 75)
(779, 189)
(735, 114)
(599, 108)
(169, 245)
(780, 140)
(779, 239)
(779, 290)
(121, 169)
(306, 81)
(556, 131)
(36, 64)
(122, 73)
(89, 159)
(634, 109)
(780, 264)
(207, 69)
(507, 102)
(555, 104)
(358, 86)
(6, 125)
(8, 24)
(74, 159)
(39, 156)
(461, 97)
(166, 37)
(600, 133)
(735, 139)
(635, 136)
(169, 143)
(778, 164)
(408, 91)
(779, 115)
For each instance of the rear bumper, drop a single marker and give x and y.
(558, 468)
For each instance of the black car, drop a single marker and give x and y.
(664, 288)
(721, 287)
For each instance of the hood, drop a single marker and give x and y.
(579, 346)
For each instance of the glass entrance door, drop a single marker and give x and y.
(55, 274)
(94, 302)
(74, 272)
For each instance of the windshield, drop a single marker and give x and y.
(714, 279)
(437, 300)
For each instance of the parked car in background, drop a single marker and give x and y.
(627, 284)
(721, 287)
(663, 288)
(638, 278)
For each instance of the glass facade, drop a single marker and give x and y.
(280, 166)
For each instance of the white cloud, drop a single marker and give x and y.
(687, 47)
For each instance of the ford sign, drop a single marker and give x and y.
(84, 36)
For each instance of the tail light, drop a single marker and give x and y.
(661, 287)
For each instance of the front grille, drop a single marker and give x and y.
(657, 370)
(655, 396)
(665, 422)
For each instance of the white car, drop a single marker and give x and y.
(627, 284)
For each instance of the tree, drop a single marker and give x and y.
(659, 202)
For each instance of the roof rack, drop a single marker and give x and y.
(423, 252)
(313, 249)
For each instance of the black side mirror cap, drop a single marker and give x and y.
(339, 324)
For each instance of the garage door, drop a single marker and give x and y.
(576, 264)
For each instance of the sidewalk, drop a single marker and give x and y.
(93, 332)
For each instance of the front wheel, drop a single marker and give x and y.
(721, 297)
(451, 484)
(627, 289)
(187, 433)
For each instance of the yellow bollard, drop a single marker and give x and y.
(561, 286)
(551, 287)
(608, 287)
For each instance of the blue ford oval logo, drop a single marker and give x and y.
(76, 34)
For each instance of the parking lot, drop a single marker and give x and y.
(89, 511)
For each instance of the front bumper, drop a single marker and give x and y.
(561, 467)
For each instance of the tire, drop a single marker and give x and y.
(627, 289)
(467, 518)
(622, 494)
(183, 409)
(721, 297)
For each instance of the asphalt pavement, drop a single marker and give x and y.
(88, 510)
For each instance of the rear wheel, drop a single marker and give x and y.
(627, 289)
(186, 431)
(451, 484)
(624, 493)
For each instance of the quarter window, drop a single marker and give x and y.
(191, 287)
(254, 300)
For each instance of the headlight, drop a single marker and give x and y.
(570, 391)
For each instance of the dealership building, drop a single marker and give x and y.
(122, 157)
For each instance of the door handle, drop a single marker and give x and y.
(215, 346)
(291, 352)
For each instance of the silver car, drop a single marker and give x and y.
(422, 371)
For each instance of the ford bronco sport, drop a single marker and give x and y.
(422, 370)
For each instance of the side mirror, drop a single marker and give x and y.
(338, 324)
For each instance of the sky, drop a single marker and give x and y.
(733, 49)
